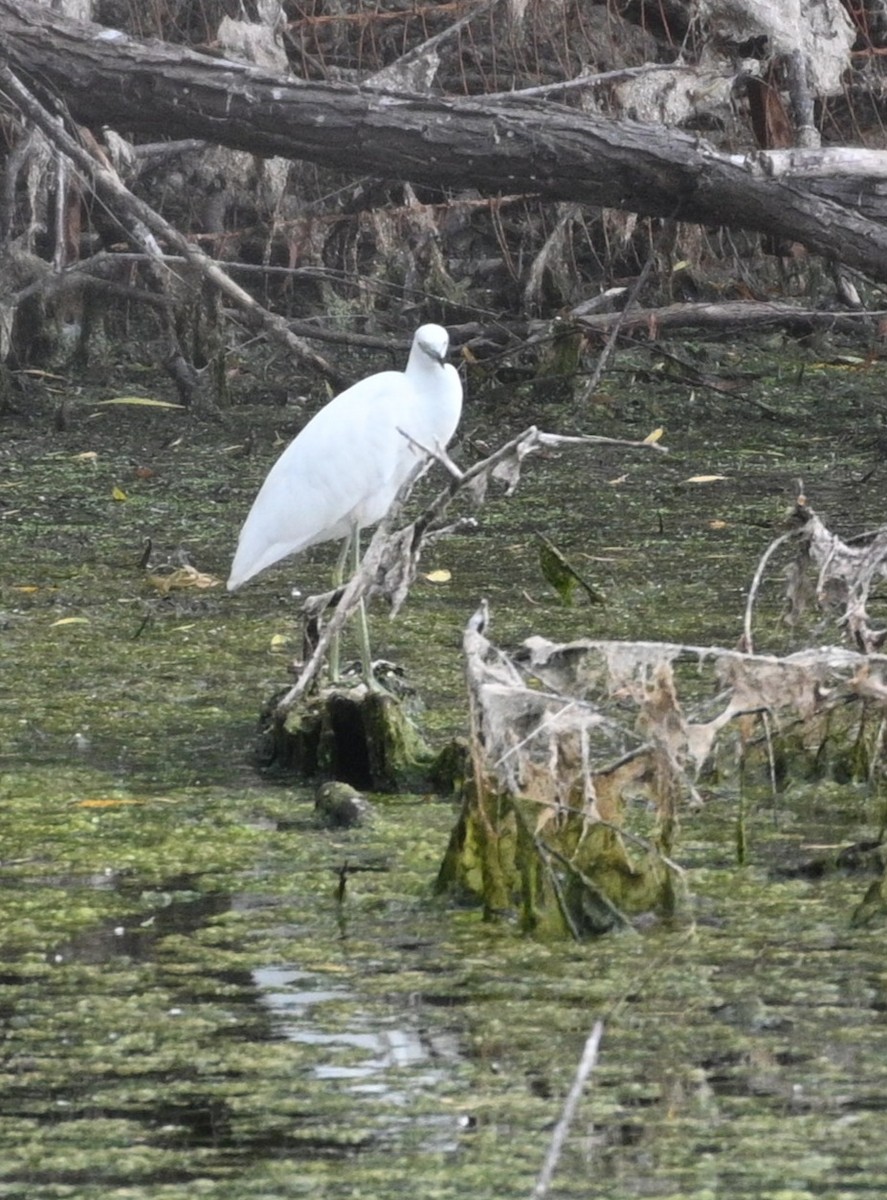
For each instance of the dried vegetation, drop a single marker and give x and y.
(582, 752)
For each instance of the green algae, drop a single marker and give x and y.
(191, 1003)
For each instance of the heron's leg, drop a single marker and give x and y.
(338, 573)
(363, 632)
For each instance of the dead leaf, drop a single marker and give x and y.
(652, 438)
(118, 493)
(562, 575)
(108, 802)
(70, 621)
(705, 478)
(182, 577)
(441, 576)
(546, 814)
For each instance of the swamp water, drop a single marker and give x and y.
(188, 1010)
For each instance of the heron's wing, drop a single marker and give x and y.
(337, 473)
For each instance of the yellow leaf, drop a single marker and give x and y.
(617, 481)
(654, 437)
(717, 524)
(26, 588)
(110, 802)
(118, 493)
(705, 478)
(141, 401)
(85, 456)
(545, 816)
(841, 360)
(183, 577)
(278, 641)
(70, 621)
(441, 576)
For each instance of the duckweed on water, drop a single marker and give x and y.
(189, 1010)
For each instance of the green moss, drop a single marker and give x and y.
(192, 1004)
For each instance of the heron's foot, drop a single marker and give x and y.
(383, 678)
(376, 688)
(388, 679)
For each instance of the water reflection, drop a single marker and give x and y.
(136, 938)
(369, 1045)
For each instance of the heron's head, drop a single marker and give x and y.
(434, 341)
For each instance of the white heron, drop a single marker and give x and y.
(342, 472)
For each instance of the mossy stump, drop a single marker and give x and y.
(572, 878)
(351, 734)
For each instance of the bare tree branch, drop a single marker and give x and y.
(554, 151)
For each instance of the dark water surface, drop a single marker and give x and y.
(188, 1011)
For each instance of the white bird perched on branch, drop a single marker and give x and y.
(343, 471)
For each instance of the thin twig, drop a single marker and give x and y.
(436, 453)
(610, 343)
(429, 46)
(747, 641)
(619, 917)
(587, 1063)
(549, 719)
(590, 81)
(559, 897)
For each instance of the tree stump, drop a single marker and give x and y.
(350, 734)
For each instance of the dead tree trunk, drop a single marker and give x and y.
(541, 147)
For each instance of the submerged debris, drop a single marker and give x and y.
(340, 806)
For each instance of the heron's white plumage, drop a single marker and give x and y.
(342, 472)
